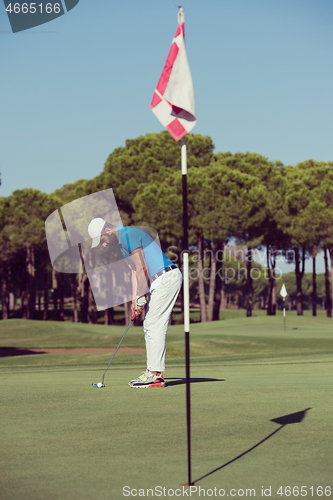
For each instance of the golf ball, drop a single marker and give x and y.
(99, 384)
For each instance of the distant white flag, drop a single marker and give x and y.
(173, 101)
(283, 292)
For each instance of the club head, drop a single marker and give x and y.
(98, 385)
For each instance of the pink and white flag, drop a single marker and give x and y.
(173, 100)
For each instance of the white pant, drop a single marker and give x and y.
(163, 294)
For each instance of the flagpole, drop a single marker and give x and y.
(186, 306)
(173, 104)
(284, 293)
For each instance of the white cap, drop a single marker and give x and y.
(94, 229)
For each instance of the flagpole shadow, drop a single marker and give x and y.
(291, 418)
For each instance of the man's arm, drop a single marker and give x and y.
(142, 277)
(141, 274)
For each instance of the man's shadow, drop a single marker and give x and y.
(181, 381)
(292, 418)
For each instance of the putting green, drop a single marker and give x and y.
(63, 439)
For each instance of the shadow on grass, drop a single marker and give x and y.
(292, 418)
(181, 381)
(16, 351)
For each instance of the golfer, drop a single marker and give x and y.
(164, 279)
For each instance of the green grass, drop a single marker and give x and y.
(234, 339)
(63, 439)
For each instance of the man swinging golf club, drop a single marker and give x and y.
(164, 279)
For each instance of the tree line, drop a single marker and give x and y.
(236, 201)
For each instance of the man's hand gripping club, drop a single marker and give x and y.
(138, 305)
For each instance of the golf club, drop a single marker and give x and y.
(101, 384)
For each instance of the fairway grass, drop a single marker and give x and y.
(63, 439)
(235, 339)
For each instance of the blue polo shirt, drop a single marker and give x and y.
(130, 238)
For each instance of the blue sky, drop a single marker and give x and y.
(74, 89)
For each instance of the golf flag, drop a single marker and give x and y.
(283, 291)
(173, 100)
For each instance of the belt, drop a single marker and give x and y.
(166, 270)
